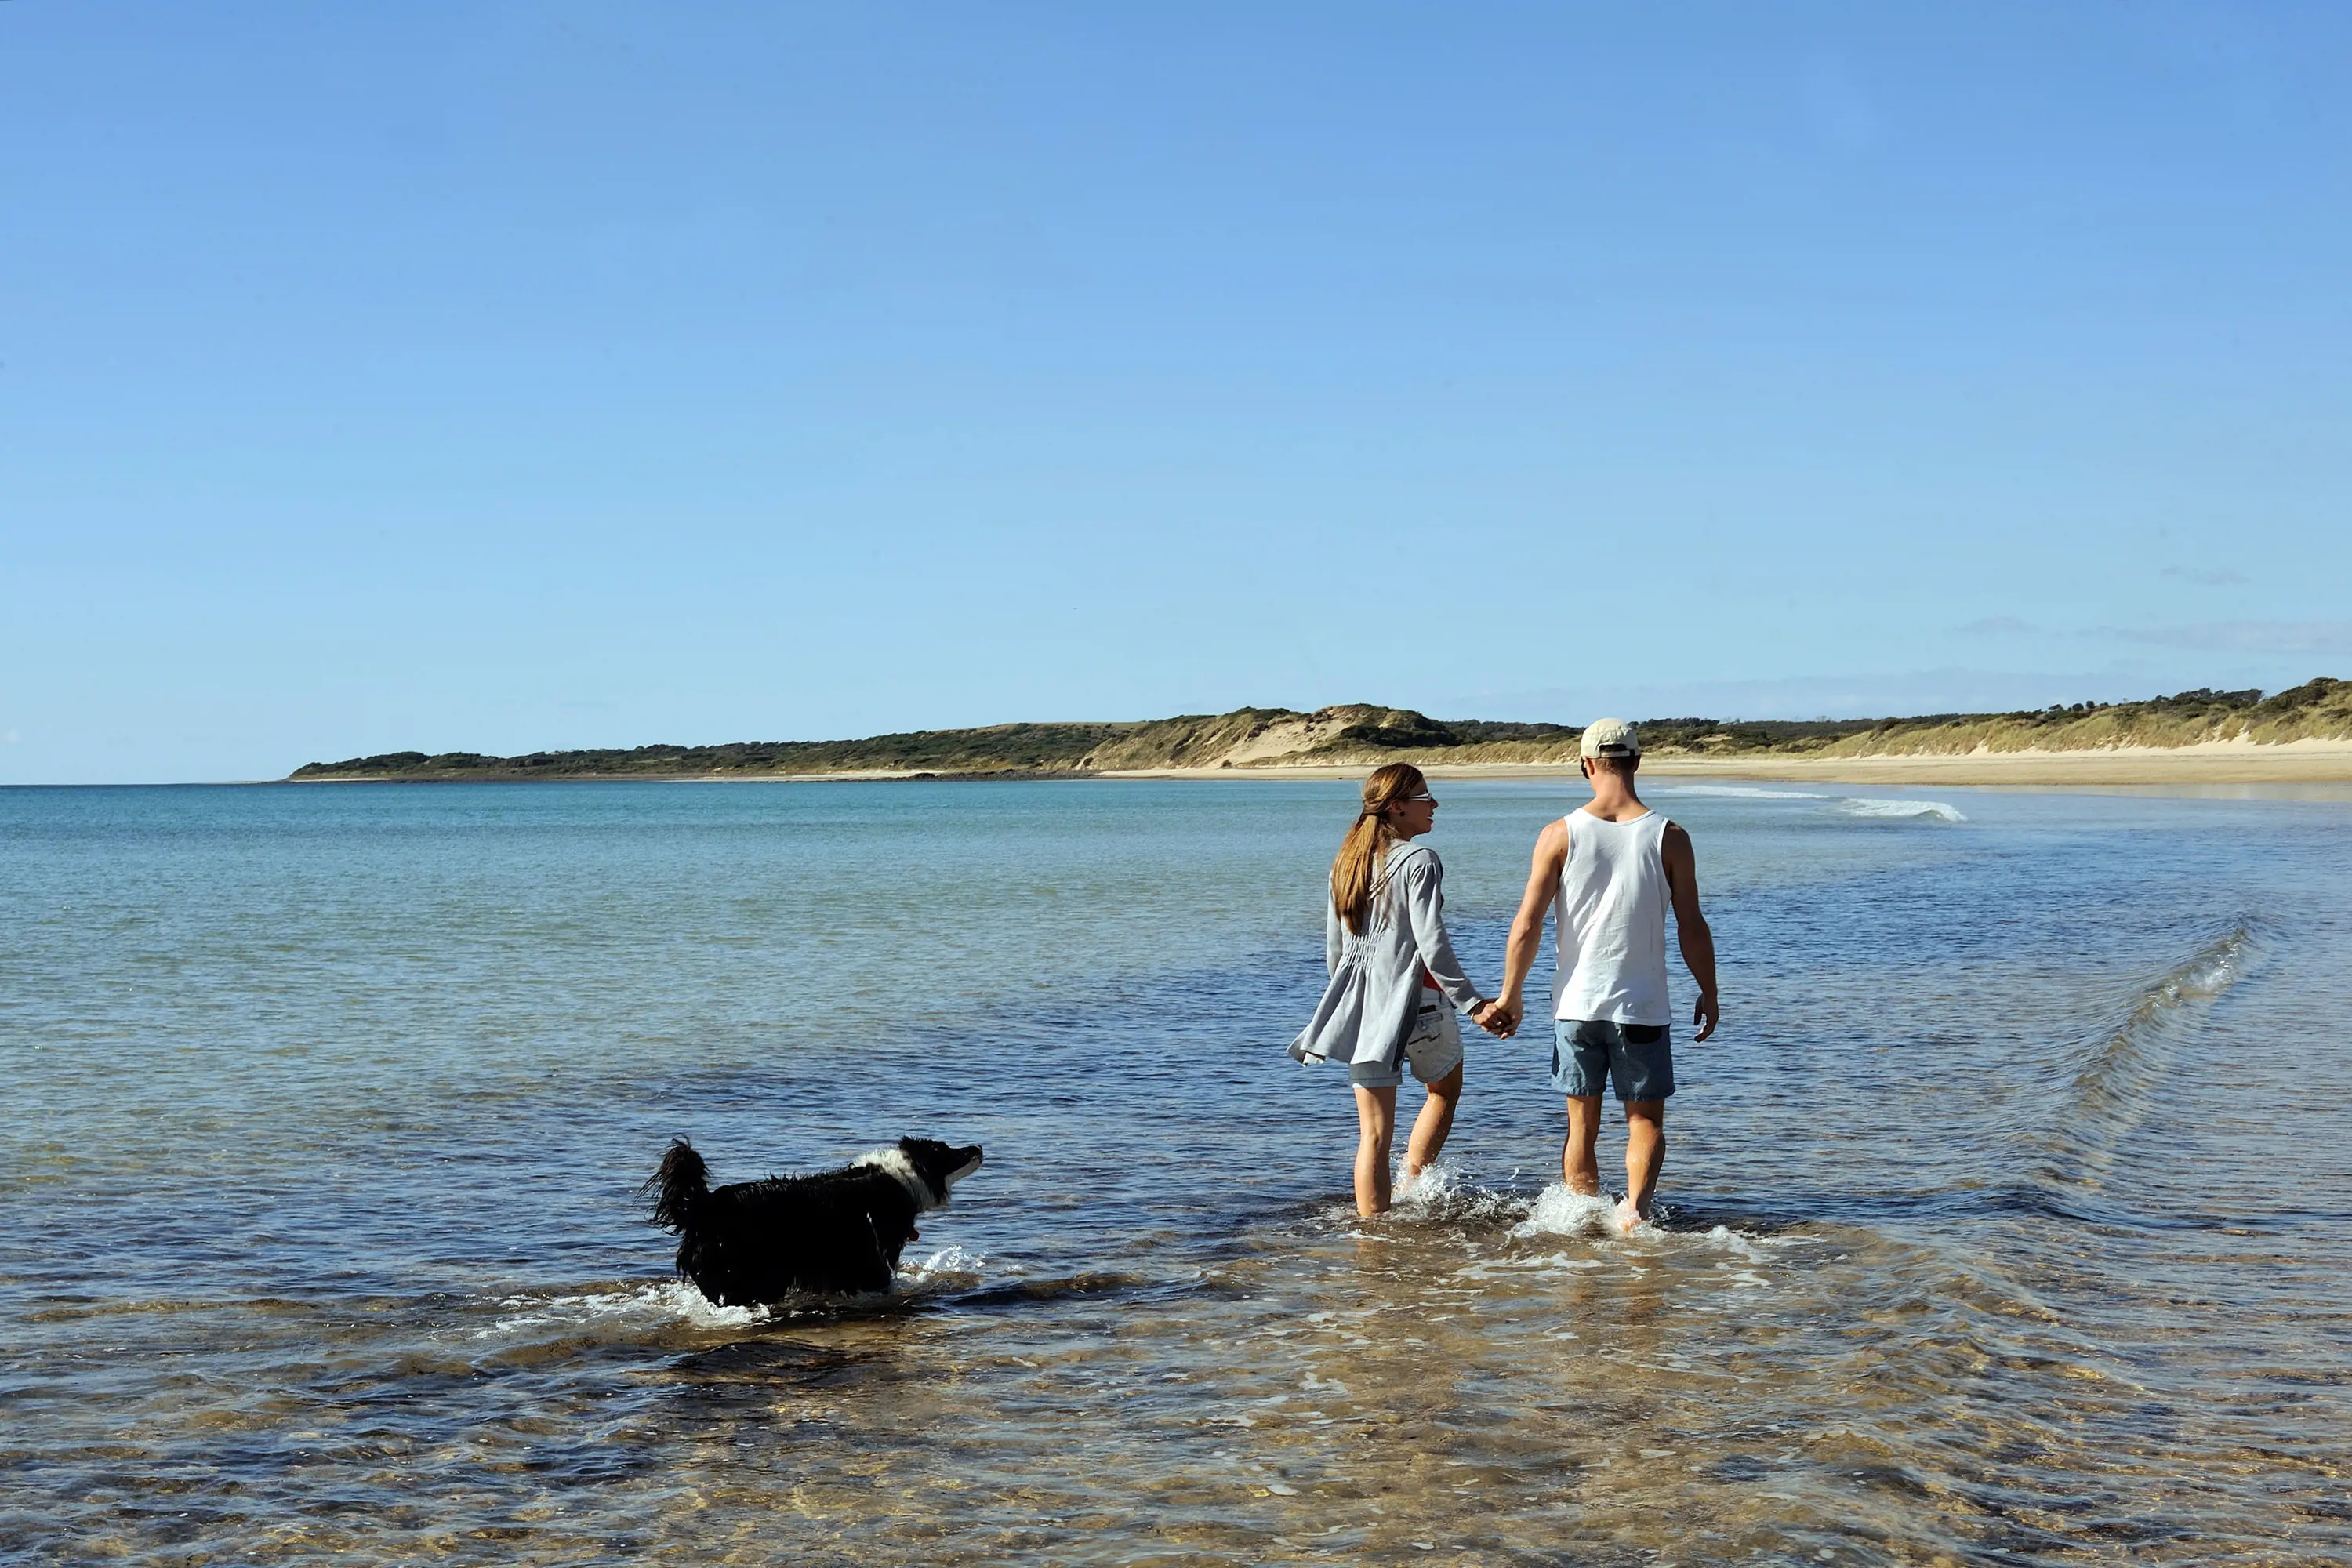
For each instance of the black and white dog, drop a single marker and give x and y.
(837, 1231)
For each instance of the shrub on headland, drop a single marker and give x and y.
(2317, 710)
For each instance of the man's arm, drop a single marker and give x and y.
(1690, 926)
(1527, 926)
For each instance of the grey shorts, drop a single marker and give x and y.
(1434, 1049)
(1638, 1058)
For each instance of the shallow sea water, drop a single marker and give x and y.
(2006, 1218)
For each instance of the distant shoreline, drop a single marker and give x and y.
(2207, 762)
(2303, 733)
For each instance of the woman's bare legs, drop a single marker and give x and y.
(1376, 1127)
(1430, 1128)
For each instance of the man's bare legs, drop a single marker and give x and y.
(1430, 1128)
(1375, 1129)
(1645, 1153)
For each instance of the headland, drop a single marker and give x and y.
(2300, 735)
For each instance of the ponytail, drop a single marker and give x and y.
(1366, 847)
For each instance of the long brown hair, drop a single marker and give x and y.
(1366, 848)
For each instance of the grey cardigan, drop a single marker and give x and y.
(1368, 1010)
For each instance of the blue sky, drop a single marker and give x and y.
(533, 376)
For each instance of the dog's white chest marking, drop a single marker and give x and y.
(897, 1164)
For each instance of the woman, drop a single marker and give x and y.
(1393, 973)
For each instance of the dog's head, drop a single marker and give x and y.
(940, 1166)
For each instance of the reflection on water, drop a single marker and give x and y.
(2005, 1223)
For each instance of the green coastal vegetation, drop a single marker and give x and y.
(1359, 733)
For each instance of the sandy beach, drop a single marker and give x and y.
(2296, 763)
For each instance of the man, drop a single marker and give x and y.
(1611, 868)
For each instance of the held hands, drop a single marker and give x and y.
(1498, 1018)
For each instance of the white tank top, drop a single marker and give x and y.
(1612, 919)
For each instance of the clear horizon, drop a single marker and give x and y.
(578, 376)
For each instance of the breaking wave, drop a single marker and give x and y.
(1934, 810)
(1851, 805)
(2123, 1062)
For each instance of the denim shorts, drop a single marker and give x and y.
(1434, 1049)
(1638, 1058)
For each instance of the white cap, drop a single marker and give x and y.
(1610, 738)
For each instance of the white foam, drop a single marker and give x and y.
(653, 1302)
(1863, 805)
(1432, 1185)
(1731, 1241)
(660, 1303)
(1559, 1212)
(2207, 976)
(1853, 805)
(1507, 1267)
(948, 1267)
(1446, 1192)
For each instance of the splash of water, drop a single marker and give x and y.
(646, 1303)
(1556, 1211)
(949, 1268)
(1447, 1192)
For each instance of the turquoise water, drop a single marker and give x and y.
(2006, 1216)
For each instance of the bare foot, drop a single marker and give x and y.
(1628, 1217)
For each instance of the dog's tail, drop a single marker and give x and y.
(678, 1188)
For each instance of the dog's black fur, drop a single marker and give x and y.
(838, 1232)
